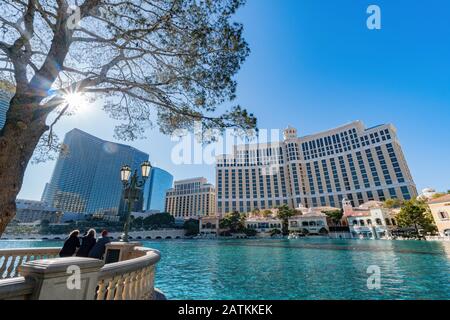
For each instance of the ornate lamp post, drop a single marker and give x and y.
(132, 186)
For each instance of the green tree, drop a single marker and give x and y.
(266, 213)
(392, 203)
(416, 214)
(164, 62)
(159, 220)
(192, 227)
(233, 221)
(335, 215)
(284, 213)
(137, 223)
(44, 227)
(250, 232)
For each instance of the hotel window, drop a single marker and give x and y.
(381, 196)
(332, 203)
(443, 215)
(373, 168)
(360, 198)
(405, 193)
(392, 193)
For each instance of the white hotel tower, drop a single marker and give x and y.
(316, 170)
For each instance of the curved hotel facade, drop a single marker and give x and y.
(86, 179)
(317, 170)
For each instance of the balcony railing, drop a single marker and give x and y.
(35, 273)
(10, 259)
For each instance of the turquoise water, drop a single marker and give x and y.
(296, 269)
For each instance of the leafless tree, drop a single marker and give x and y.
(169, 60)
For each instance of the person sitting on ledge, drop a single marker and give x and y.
(98, 250)
(87, 243)
(70, 245)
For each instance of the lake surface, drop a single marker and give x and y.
(296, 269)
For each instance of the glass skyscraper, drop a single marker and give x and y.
(155, 189)
(86, 177)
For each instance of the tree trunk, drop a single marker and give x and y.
(18, 139)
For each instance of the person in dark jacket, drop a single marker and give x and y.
(98, 250)
(70, 245)
(87, 242)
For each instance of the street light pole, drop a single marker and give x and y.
(132, 187)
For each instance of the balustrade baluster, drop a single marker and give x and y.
(12, 266)
(15, 271)
(4, 265)
(112, 288)
(126, 286)
(102, 289)
(120, 288)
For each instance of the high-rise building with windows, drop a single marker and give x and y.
(155, 189)
(6, 93)
(351, 161)
(86, 177)
(191, 198)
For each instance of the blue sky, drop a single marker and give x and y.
(315, 65)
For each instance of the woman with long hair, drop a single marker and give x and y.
(70, 245)
(87, 242)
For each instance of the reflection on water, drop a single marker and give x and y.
(297, 269)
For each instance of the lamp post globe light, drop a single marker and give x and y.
(132, 185)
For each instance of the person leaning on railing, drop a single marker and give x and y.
(70, 245)
(87, 243)
(98, 250)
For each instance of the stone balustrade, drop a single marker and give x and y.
(10, 259)
(36, 275)
(131, 279)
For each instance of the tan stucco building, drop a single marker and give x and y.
(440, 208)
(191, 198)
(353, 162)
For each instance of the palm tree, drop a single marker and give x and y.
(284, 213)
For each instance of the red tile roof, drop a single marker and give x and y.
(444, 198)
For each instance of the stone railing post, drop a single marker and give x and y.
(70, 278)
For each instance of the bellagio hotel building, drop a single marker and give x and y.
(317, 170)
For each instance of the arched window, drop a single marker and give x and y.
(388, 222)
(355, 222)
(369, 222)
(393, 222)
(378, 221)
(361, 222)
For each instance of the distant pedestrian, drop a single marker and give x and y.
(87, 242)
(99, 249)
(70, 245)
